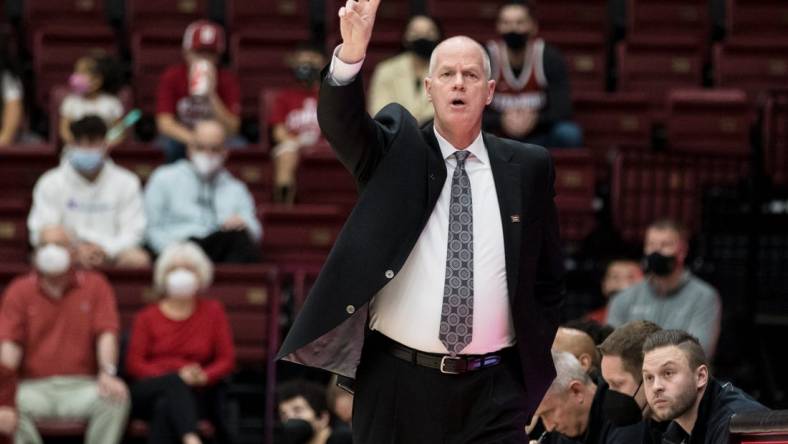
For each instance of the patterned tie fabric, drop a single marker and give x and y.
(456, 329)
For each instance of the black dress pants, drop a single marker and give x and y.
(397, 402)
(230, 247)
(171, 407)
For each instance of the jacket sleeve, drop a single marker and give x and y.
(550, 272)
(44, 211)
(246, 210)
(155, 204)
(355, 137)
(559, 102)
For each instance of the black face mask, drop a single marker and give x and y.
(515, 40)
(422, 47)
(659, 264)
(306, 73)
(297, 431)
(620, 409)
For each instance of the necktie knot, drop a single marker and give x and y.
(461, 156)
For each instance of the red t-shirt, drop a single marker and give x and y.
(7, 387)
(296, 108)
(160, 345)
(58, 336)
(172, 95)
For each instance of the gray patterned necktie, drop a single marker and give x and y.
(456, 329)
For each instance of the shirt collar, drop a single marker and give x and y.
(476, 148)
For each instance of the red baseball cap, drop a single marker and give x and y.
(204, 35)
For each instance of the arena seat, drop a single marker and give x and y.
(322, 179)
(657, 64)
(647, 186)
(575, 188)
(299, 234)
(42, 13)
(276, 16)
(56, 49)
(20, 168)
(757, 18)
(152, 51)
(709, 121)
(141, 161)
(687, 18)
(752, 64)
(585, 56)
(583, 17)
(390, 22)
(253, 168)
(474, 18)
(775, 136)
(304, 278)
(169, 15)
(14, 244)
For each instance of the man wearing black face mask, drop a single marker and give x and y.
(532, 97)
(400, 78)
(670, 296)
(293, 120)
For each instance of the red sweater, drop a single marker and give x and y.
(160, 345)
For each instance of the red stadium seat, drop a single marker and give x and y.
(612, 120)
(300, 234)
(574, 187)
(276, 16)
(474, 18)
(167, 15)
(757, 18)
(141, 161)
(152, 52)
(709, 121)
(585, 58)
(14, 245)
(648, 186)
(304, 278)
(259, 59)
(587, 18)
(85, 14)
(55, 50)
(323, 179)
(253, 167)
(655, 65)
(688, 18)
(20, 168)
(752, 64)
(775, 136)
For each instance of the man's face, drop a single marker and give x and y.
(515, 18)
(619, 276)
(208, 139)
(617, 377)
(565, 413)
(192, 56)
(458, 87)
(299, 408)
(672, 388)
(664, 241)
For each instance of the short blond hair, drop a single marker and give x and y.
(185, 252)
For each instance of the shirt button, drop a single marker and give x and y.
(350, 309)
(389, 274)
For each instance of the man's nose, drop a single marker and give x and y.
(458, 81)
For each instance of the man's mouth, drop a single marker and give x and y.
(457, 102)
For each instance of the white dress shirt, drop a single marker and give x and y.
(408, 308)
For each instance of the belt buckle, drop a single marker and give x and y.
(443, 365)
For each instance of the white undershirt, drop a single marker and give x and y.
(408, 308)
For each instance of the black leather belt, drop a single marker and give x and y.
(450, 365)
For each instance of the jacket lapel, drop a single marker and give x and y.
(436, 172)
(506, 174)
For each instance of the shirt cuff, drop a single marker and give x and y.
(341, 73)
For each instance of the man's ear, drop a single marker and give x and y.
(490, 91)
(576, 390)
(428, 88)
(702, 376)
(585, 361)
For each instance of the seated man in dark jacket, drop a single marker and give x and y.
(679, 388)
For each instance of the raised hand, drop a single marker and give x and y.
(356, 20)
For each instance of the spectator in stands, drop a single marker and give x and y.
(340, 403)
(679, 388)
(59, 331)
(293, 120)
(197, 89)
(180, 347)
(94, 87)
(622, 361)
(99, 201)
(580, 345)
(305, 416)
(400, 79)
(8, 416)
(670, 296)
(619, 275)
(12, 95)
(532, 100)
(197, 199)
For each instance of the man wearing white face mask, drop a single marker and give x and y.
(58, 332)
(197, 199)
(99, 201)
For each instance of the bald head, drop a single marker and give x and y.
(209, 132)
(579, 344)
(458, 45)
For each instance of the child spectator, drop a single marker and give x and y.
(94, 87)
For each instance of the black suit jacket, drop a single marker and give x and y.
(400, 172)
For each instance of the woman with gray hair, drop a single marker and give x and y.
(180, 346)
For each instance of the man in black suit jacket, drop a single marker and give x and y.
(441, 294)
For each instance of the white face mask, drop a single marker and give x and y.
(206, 164)
(52, 259)
(182, 284)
